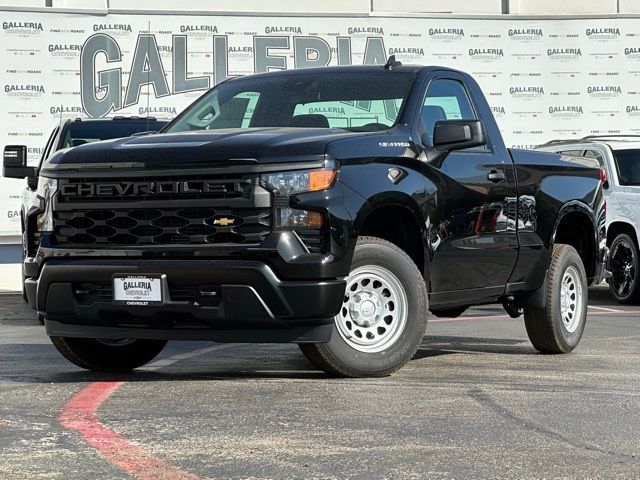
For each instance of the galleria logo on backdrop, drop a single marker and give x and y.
(324, 110)
(632, 52)
(633, 110)
(566, 111)
(24, 88)
(31, 26)
(365, 30)
(198, 29)
(498, 111)
(64, 48)
(35, 151)
(602, 33)
(407, 51)
(486, 53)
(526, 92)
(280, 29)
(564, 53)
(446, 33)
(605, 91)
(111, 27)
(525, 33)
(60, 110)
(157, 110)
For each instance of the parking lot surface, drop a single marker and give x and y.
(477, 401)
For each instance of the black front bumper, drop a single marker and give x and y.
(220, 300)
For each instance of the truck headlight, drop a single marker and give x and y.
(47, 187)
(300, 181)
(284, 184)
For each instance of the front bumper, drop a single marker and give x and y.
(221, 300)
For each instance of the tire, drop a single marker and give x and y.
(450, 312)
(549, 328)
(624, 283)
(108, 356)
(385, 289)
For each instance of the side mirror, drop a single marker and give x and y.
(14, 163)
(450, 135)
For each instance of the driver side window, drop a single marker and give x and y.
(446, 99)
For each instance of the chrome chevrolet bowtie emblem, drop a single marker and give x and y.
(224, 221)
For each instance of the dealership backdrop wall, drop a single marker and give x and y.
(544, 78)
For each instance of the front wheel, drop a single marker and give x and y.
(557, 327)
(108, 355)
(624, 283)
(383, 316)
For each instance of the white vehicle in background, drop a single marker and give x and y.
(619, 156)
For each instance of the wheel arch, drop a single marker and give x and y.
(619, 227)
(397, 219)
(575, 226)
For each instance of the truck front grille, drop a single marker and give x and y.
(160, 226)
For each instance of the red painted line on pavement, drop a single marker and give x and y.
(467, 318)
(80, 414)
(506, 317)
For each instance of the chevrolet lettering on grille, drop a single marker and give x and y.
(170, 187)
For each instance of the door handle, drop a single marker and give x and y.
(495, 176)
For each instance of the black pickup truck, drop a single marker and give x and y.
(333, 207)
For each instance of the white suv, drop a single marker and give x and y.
(619, 156)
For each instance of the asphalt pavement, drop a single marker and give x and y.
(477, 401)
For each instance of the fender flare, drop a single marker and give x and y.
(573, 206)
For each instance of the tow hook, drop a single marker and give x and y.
(511, 308)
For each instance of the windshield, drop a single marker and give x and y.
(87, 132)
(360, 101)
(628, 166)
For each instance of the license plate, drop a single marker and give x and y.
(141, 290)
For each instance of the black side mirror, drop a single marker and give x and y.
(14, 163)
(450, 135)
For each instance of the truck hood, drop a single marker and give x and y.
(203, 148)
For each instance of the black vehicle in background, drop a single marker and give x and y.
(73, 133)
(332, 207)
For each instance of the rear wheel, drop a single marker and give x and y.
(557, 327)
(108, 355)
(624, 283)
(383, 317)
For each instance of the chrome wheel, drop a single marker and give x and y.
(571, 299)
(374, 310)
(623, 268)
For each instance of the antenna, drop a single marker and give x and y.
(392, 63)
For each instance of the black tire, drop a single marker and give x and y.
(450, 312)
(337, 357)
(545, 326)
(624, 264)
(106, 356)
